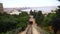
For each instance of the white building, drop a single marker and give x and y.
(15, 12)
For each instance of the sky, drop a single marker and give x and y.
(29, 3)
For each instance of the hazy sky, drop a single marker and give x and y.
(29, 3)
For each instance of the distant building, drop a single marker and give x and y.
(14, 12)
(1, 7)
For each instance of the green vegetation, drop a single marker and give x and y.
(10, 22)
(43, 20)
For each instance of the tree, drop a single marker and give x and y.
(23, 18)
(23, 14)
(58, 7)
(39, 17)
(9, 22)
(31, 12)
(58, 12)
(34, 13)
(56, 21)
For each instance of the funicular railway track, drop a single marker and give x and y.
(29, 30)
(32, 28)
